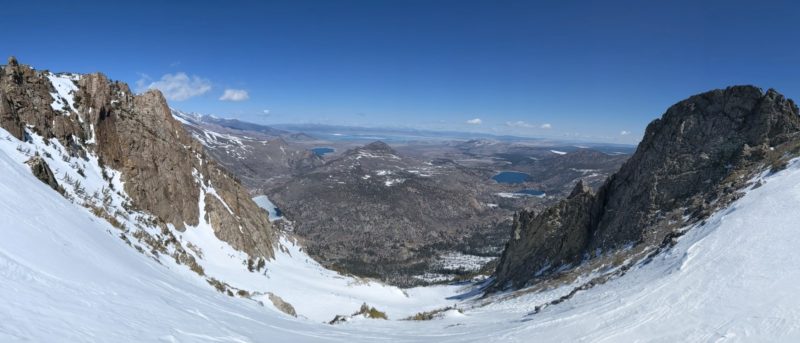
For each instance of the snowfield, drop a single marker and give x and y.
(66, 276)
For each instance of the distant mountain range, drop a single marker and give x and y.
(402, 135)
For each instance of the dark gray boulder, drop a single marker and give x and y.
(42, 171)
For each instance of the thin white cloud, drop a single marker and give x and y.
(235, 95)
(177, 87)
(522, 124)
(475, 121)
(519, 123)
(624, 133)
(266, 112)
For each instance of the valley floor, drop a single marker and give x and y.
(65, 276)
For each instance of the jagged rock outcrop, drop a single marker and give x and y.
(163, 168)
(42, 171)
(137, 136)
(552, 238)
(691, 161)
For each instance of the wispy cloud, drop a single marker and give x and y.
(624, 133)
(525, 125)
(519, 123)
(235, 95)
(176, 87)
(266, 112)
(475, 121)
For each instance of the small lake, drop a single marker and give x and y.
(321, 151)
(264, 202)
(510, 177)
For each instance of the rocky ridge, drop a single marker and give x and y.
(163, 169)
(692, 161)
(259, 155)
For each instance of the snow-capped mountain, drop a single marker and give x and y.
(84, 124)
(123, 158)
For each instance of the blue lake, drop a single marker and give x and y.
(510, 177)
(321, 151)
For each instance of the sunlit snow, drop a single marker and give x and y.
(66, 276)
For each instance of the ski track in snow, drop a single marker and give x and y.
(65, 276)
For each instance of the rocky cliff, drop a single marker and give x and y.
(163, 168)
(692, 161)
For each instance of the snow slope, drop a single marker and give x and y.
(66, 276)
(732, 279)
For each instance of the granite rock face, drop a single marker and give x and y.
(690, 162)
(163, 168)
(543, 242)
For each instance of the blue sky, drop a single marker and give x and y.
(560, 69)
